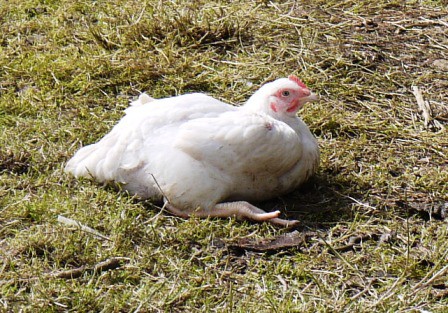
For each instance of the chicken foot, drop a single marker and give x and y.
(238, 209)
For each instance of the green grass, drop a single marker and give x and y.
(69, 68)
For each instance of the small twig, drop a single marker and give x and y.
(70, 274)
(70, 222)
(362, 292)
(391, 291)
(160, 189)
(430, 276)
(106, 265)
(336, 253)
(166, 200)
(441, 273)
(366, 205)
(422, 105)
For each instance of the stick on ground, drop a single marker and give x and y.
(70, 222)
(108, 264)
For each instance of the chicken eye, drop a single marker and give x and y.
(285, 93)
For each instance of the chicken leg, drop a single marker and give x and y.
(239, 209)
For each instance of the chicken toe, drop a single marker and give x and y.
(239, 209)
(274, 220)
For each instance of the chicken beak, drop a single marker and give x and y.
(312, 97)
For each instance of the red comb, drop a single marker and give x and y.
(297, 81)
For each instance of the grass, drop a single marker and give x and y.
(69, 68)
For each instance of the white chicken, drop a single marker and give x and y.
(206, 158)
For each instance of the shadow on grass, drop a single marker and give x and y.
(320, 203)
